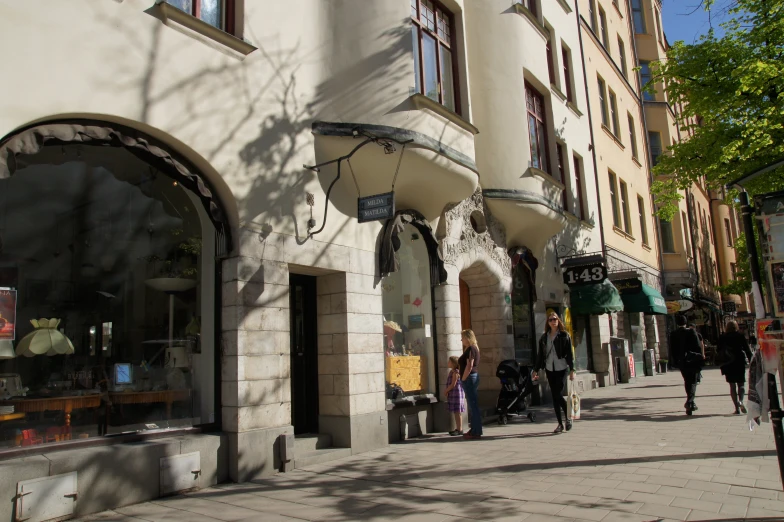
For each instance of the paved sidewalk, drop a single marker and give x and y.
(633, 456)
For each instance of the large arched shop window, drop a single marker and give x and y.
(122, 256)
(407, 306)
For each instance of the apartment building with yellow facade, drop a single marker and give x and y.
(697, 243)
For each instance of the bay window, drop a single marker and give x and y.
(537, 128)
(432, 32)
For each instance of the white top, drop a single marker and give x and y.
(553, 363)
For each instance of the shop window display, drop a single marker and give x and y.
(105, 269)
(408, 320)
(522, 316)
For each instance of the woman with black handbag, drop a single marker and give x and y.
(733, 353)
(555, 357)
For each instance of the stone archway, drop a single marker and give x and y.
(474, 249)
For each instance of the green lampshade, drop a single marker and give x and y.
(45, 339)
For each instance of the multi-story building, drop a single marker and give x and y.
(618, 123)
(695, 257)
(216, 299)
(260, 227)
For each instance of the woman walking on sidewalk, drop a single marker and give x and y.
(469, 373)
(555, 356)
(735, 353)
(687, 352)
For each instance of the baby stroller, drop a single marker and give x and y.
(516, 386)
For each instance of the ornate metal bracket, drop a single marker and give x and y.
(389, 147)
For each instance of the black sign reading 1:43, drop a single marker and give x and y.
(585, 274)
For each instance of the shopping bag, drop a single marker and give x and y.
(574, 401)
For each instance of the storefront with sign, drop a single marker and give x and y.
(591, 295)
(639, 302)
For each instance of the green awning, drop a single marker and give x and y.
(598, 299)
(648, 301)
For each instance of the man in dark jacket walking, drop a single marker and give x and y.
(687, 353)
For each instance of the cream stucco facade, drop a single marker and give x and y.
(515, 165)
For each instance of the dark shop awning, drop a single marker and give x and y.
(648, 301)
(598, 299)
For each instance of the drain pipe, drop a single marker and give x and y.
(590, 128)
(657, 227)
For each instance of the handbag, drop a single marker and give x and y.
(574, 402)
(693, 360)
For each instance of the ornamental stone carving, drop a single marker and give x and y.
(459, 236)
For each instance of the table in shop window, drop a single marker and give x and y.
(168, 397)
(65, 404)
(407, 371)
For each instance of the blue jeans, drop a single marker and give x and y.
(471, 387)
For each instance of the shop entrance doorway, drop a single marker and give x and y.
(304, 354)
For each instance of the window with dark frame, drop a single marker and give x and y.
(592, 15)
(567, 73)
(734, 271)
(643, 222)
(603, 102)
(668, 242)
(614, 200)
(537, 128)
(645, 79)
(728, 230)
(614, 115)
(654, 140)
(550, 59)
(632, 136)
(622, 57)
(562, 173)
(638, 16)
(531, 6)
(435, 61)
(627, 222)
(217, 13)
(579, 203)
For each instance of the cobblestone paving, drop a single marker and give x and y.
(633, 456)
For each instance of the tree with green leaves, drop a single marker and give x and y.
(732, 93)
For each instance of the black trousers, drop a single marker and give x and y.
(556, 382)
(690, 380)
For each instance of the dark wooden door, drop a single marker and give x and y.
(465, 305)
(304, 355)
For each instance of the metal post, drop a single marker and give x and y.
(775, 418)
(759, 307)
(751, 245)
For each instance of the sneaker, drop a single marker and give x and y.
(559, 429)
(455, 433)
(743, 409)
(568, 425)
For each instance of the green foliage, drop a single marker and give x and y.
(732, 91)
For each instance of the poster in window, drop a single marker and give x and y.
(7, 314)
(777, 282)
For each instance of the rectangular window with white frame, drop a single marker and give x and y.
(627, 221)
(603, 101)
(632, 135)
(643, 220)
(614, 114)
(603, 28)
(616, 212)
